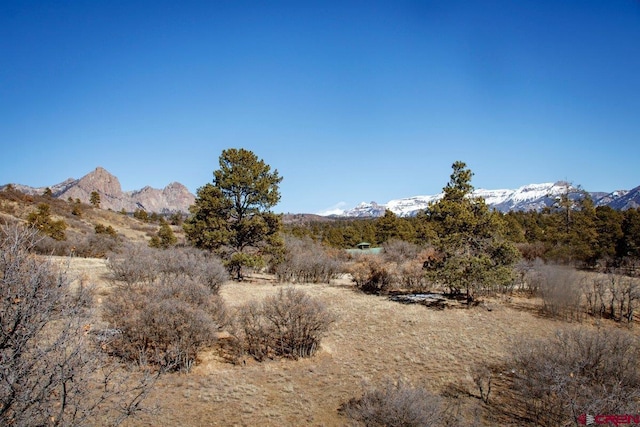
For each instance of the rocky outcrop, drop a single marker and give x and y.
(175, 197)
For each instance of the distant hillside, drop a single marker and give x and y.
(175, 197)
(526, 198)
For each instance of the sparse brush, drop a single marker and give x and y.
(395, 405)
(306, 261)
(560, 289)
(288, 324)
(48, 364)
(578, 371)
(164, 323)
(371, 275)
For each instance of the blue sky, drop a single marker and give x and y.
(350, 101)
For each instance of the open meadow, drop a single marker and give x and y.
(372, 341)
(543, 347)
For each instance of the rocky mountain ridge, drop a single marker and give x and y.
(175, 197)
(525, 198)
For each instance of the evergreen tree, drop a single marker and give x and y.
(164, 238)
(533, 225)
(141, 214)
(583, 235)
(424, 234)
(95, 199)
(334, 237)
(351, 236)
(41, 219)
(77, 208)
(629, 246)
(514, 230)
(570, 227)
(232, 216)
(102, 229)
(386, 227)
(176, 218)
(470, 238)
(389, 227)
(609, 230)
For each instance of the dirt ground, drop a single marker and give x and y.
(373, 340)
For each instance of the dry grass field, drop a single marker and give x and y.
(373, 340)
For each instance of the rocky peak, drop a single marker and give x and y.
(174, 197)
(100, 180)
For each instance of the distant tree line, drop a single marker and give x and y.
(582, 235)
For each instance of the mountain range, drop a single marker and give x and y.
(175, 197)
(526, 198)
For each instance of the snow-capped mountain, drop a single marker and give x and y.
(526, 198)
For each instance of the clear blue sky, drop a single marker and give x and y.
(349, 100)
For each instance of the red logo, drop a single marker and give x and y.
(616, 420)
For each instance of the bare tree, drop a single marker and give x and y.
(50, 371)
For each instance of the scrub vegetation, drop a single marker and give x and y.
(235, 315)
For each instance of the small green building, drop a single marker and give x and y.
(364, 248)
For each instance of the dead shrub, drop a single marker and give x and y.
(596, 296)
(134, 264)
(307, 261)
(527, 279)
(289, 324)
(95, 245)
(399, 251)
(395, 405)
(198, 265)
(48, 364)
(165, 307)
(49, 246)
(576, 372)
(483, 379)
(408, 261)
(411, 276)
(164, 323)
(371, 275)
(623, 297)
(137, 264)
(532, 251)
(561, 289)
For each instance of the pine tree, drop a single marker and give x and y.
(41, 219)
(629, 246)
(475, 256)
(583, 234)
(164, 238)
(141, 214)
(95, 199)
(389, 227)
(609, 229)
(232, 216)
(77, 208)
